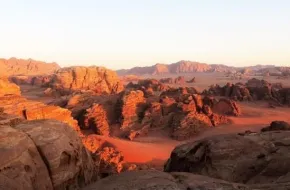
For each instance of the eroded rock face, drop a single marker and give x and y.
(8, 88)
(21, 165)
(227, 107)
(70, 165)
(132, 103)
(97, 79)
(96, 118)
(256, 158)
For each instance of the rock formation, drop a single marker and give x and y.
(96, 79)
(21, 165)
(33, 110)
(132, 106)
(8, 88)
(256, 159)
(254, 89)
(44, 154)
(185, 126)
(226, 107)
(179, 80)
(277, 126)
(96, 118)
(14, 66)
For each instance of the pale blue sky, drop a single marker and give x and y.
(126, 33)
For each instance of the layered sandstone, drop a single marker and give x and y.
(33, 110)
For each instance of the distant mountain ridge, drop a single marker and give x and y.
(189, 67)
(14, 66)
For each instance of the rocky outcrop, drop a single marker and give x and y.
(132, 106)
(7, 88)
(188, 125)
(14, 66)
(96, 119)
(179, 80)
(254, 158)
(226, 107)
(33, 110)
(44, 154)
(234, 91)
(68, 162)
(277, 126)
(109, 161)
(97, 79)
(254, 89)
(155, 180)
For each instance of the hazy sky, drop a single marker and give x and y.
(126, 33)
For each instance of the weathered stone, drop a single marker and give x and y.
(69, 163)
(21, 165)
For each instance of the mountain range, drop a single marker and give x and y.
(197, 67)
(14, 66)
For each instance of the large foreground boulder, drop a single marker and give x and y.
(259, 158)
(69, 164)
(21, 165)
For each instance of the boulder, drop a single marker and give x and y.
(21, 165)
(277, 126)
(69, 163)
(256, 159)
